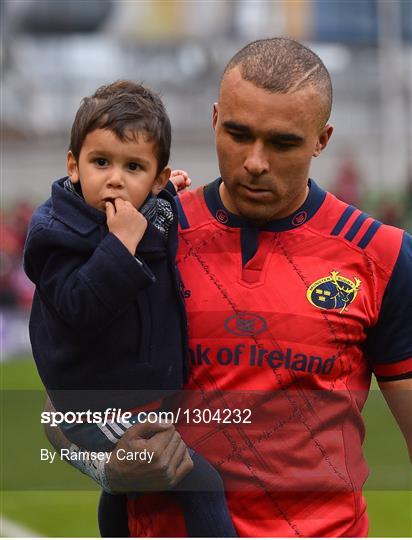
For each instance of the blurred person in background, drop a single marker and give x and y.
(408, 203)
(348, 182)
(16, 291)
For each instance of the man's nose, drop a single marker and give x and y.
(256, 162)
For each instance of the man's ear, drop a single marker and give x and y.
(161, 180)
(215, 114)
(323, 139)
(72, 167)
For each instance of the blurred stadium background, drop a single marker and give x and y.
(54, 52)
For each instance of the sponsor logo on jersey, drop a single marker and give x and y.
(245, 324)
(222, 216)
(259, 357)
(333, 292)
(299, 218)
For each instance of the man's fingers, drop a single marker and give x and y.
(180, 180)
(179, 172)
(185, 466)
(169, 451)
(160, 441)
(147, 430)
(170, 463)
(170, 459)
(179, 455)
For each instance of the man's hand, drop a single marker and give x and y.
(170, 464)
(180, 179)
(125, 222)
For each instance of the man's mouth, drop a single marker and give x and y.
(255, 193)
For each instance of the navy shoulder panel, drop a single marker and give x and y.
(184, 223)
(367, 236)
(390, 340)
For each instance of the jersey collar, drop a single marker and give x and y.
(308, 209)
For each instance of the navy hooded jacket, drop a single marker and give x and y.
(102, 320)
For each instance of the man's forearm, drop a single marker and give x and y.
(94, 468)
(54, 434)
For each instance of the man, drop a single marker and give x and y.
(293, 299)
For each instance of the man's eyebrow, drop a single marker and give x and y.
(275, 136)
(230, 124)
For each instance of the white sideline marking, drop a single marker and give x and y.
(11, 529)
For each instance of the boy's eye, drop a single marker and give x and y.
(101, 162)
(133, 166)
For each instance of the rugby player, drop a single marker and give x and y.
(294, 300)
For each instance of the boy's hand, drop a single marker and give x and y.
(125, 222)
(180, 179)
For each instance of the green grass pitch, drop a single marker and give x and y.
(32, 492)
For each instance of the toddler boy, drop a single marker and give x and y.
(108, 325)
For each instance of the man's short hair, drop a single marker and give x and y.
(283, 65)
(128, 109)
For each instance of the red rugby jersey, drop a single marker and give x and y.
(287, 321)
